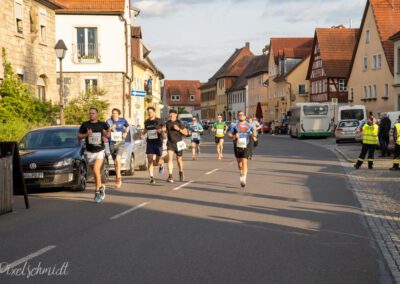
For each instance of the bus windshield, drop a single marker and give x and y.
(315, 110)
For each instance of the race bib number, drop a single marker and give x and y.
(195, 135)
(242, 143)
(181, 145)
(116, 136)
(95, 139)
(152, 134)
(220, 131)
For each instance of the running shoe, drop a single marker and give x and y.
(97, 197)
(102, 190)
(170, 179)
(242, 181)
(161, 169)
(152, 180)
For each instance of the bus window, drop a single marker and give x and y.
(315, 110)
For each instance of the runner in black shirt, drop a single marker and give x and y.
(153, 128)
(92, 131)
(175, 145)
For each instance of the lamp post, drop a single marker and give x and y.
(61, 49)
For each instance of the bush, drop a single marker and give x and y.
(77, 109)
(14, 130)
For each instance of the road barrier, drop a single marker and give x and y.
(6, 184)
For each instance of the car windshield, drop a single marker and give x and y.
(315, 110)
(50, 139)
(350, 123)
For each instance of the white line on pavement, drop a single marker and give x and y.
(213, 171)
(183, 185)
(26, 258)
(130, 210)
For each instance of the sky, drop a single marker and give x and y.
(191, 39)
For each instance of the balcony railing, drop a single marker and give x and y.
(86, 53)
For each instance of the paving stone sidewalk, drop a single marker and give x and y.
(378, 192)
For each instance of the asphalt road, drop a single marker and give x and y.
(297, 221)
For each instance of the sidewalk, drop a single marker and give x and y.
(378, 192)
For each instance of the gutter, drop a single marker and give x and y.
(125, 74)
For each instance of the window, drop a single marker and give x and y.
(192, 98)
(386, 91)
(367, 36)
(41, 88)
(87, 43)
(42, 24)
(369, 91)
(175, 98)
(375, 92)
(19, 16)
(365, 92)
(342, 85)
(315, 110)
(365, 68)
(377, 61)
(302, 89)
(351, 98)
(90, 85)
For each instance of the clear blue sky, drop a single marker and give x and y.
(190, 39)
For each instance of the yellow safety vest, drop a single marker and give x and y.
(397, 126)
(370, 134)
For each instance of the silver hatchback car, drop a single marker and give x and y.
(346, 130)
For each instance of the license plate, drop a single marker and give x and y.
(33, 175)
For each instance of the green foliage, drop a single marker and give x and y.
(77, 109)
(19, 109)
(182, 110)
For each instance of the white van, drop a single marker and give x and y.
(358, 112)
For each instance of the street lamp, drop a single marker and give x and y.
(61, 49)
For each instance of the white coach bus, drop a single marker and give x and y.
(310, 120)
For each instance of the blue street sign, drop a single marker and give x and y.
(135, 93)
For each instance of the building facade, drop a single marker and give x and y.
(183, 96)
(396, 39)
(330, 64)
(27, 33)
(208, 105)
(284, 55)
(371, 77)
(98, 38)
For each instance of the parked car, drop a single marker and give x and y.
(135, 153)
(204, 123)
(52, 157)
(346, 130)
(282, 126)
(266, 127)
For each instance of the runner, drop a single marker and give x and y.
(92, 132)
(219, 128)
(153, 127)
(175, 145)
(242, 132)
(119, 130)
(257, 127)
(196, 131)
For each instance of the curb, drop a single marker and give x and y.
(347, 158)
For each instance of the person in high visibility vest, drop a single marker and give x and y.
(396, 137)
(370, 141)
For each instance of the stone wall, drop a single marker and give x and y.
(29, 55)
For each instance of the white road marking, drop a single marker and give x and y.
(26, 258)
(130, 210)
(183, 185)
(213, 171)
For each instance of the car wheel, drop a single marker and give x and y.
(82, 178)
(131, 170)
(144, 166)
(337, 141)
(105, 171)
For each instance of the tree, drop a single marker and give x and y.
(77, 109)
(182, 110)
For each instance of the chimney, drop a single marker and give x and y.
(248, 45)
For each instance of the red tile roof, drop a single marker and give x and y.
(258, 64)
(231, 68)
(183, 88)
(290, 47)
(336, 49)
(91, 6)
